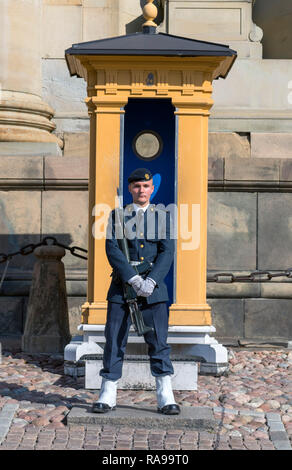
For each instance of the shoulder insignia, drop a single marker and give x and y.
(129, 208)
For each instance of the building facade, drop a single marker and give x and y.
(44, 129)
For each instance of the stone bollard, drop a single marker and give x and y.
(47, 321)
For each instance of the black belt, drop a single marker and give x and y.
(143, 269)
(137, 263)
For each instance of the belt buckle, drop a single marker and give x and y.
(135, 263)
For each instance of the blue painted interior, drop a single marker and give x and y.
(156, 115)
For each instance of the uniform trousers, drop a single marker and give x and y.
(116, 333)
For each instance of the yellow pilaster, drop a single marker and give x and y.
(190, 307)
(103, 184)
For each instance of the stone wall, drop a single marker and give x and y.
(249, 228)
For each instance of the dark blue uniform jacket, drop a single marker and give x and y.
(153, 242)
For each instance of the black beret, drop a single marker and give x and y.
(140, 174)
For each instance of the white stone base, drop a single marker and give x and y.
(137, 375)
(190, 343)
(79, 347)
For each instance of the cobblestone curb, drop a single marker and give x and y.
(277, 432)
(6, 416)
(233, 411)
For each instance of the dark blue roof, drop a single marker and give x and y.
(142, 44)
(152, 45)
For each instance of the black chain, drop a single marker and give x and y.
(28, 249)
(255, 276)
(221, 278)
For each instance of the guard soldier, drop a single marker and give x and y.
(151, 242)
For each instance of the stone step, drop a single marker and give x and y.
(197, 417)
(137, 375)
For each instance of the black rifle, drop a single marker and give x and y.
(129, 293)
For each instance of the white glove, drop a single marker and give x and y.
(136, 282)
(147, 287)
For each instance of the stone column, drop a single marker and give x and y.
(24, 116)
(47, 322)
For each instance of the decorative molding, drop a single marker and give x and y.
(25, 117)
(188, 80)
(256, 33)
(162, 82)
(137, 82)
(111, 82)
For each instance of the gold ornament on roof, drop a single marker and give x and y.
(150, 12)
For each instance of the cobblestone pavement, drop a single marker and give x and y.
(252, 406)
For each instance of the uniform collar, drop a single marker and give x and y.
(137, 207)
(134, 207)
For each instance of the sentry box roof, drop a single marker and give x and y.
(150, 43)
